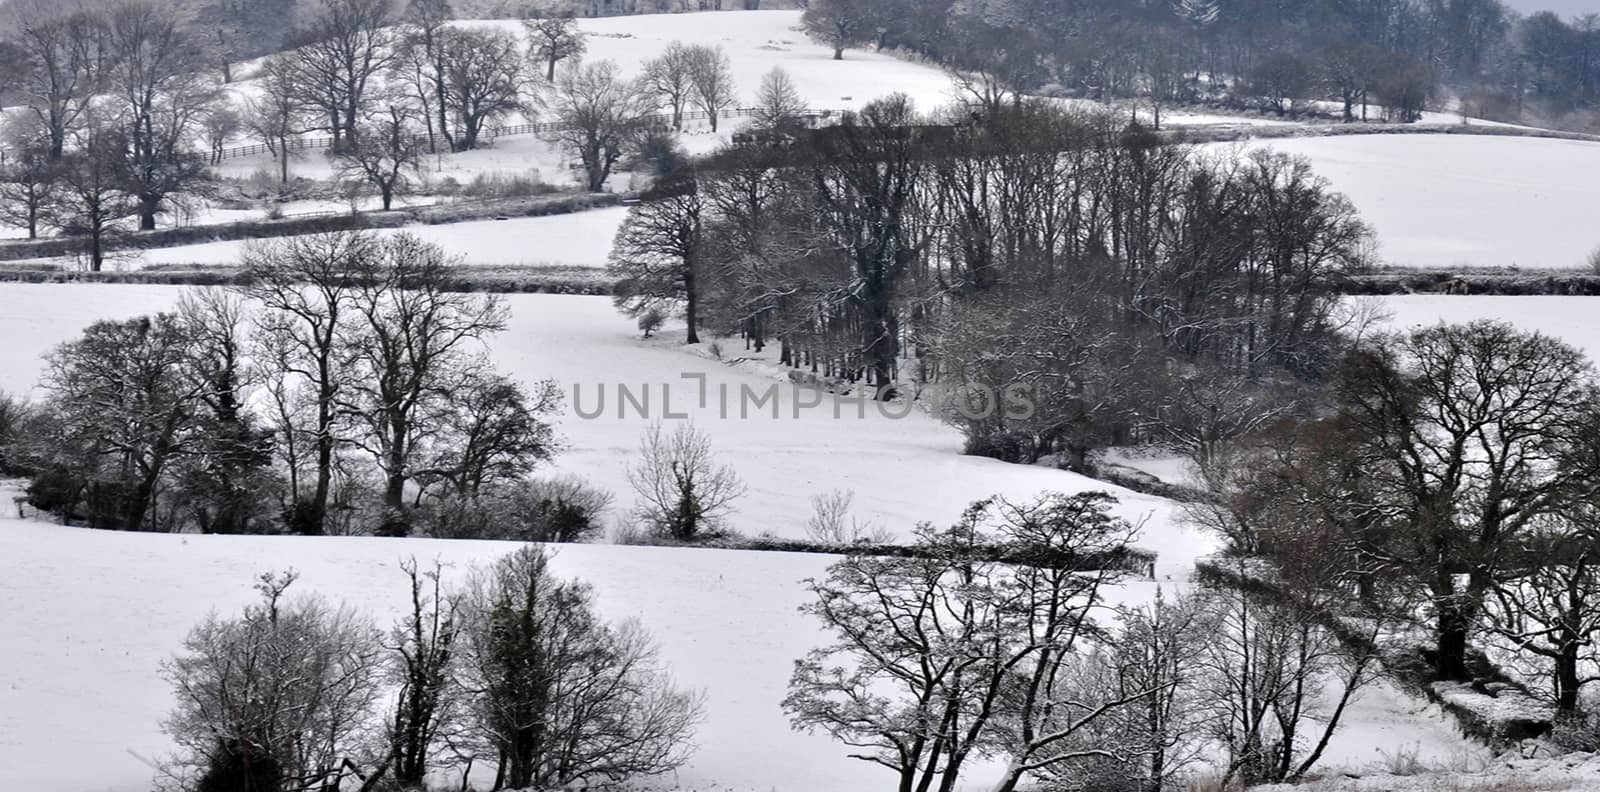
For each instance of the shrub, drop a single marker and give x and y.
(562, 509)
(832, 523)
(506, 185)
(651, 321)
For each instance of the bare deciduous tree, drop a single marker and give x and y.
(778, 102)
(305, 285)
(552, 40)
(684, 493)
(670, 77)
(561, 696)
(657, 257)
(413, 345)
(602, 116)
(280, 697)
(712, 77)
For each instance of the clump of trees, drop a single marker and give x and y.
(514, 670)
(948, 655)
(1445, 482)
(1067, 280)
(344, 389)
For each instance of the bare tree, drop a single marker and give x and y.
(424, 652)
(276, 114)
(93, 195)
(305, 285)
(778, 102)
(28, 179)
(560, 696)
(350, 42)
(712, 77)
(657, 259)
(481, 79)
(156, 73)
(943, 656)
(63, 58)
(496, 431)
(422, 64)
(280, 697)
(384, 158)
(832, 523)
(1480, 413)
(121, 411)
(670, 77)
(601, 117)
(683, 492)
(413, 348)
(552, 40)
(837, 23)
(1541, 622)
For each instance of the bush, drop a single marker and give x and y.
(506, 185)
(297, 681)
(651, 321)
(562, 509)
(832, 523)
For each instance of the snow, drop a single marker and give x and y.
(904, 470)
(577, 239)
(80, 666)
(1571, 319)
(90, 615)
(1460, 200)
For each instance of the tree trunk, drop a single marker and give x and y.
(147, 213)
(1567, 676)
(1451, 664)
(838, 52)
(692, 309)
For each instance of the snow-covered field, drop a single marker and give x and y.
(82, 702)
(579, 239)
(1571, 319)
(1457, 200)
(904, 469)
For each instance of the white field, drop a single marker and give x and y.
(1571, 319)
(1457, 200)
(578, 239)
(89, 615)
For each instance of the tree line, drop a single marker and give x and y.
(1397, 54)
(343, 390)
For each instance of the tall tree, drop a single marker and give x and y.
(414, 345)
(712, 77)
(1464, 433)
(552, 40)
(156, 73)
(601, 116)
(306, 288)
(658, 255)
(481, 80)
(348, 44)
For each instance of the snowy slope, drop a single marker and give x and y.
(904, 470)
(1452, 201)
(579, 239)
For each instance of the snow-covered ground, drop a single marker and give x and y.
(578, 239)
(904, 469)
(1457, 200)
(80, 679)
(1571, 319)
